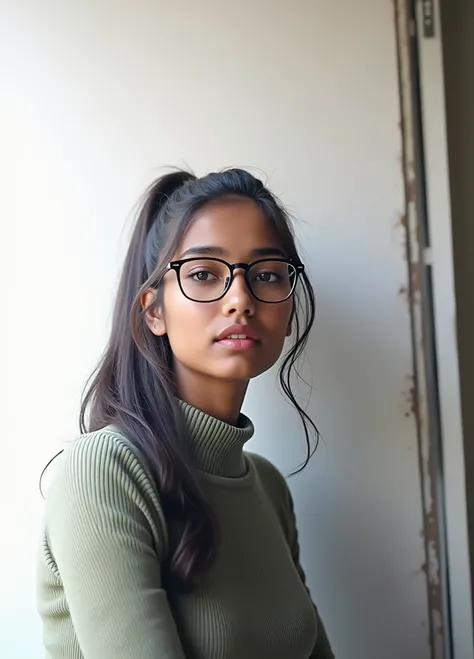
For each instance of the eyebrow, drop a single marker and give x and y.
(212, 250)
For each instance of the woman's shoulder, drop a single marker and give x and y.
(276, 489)
(98, 474)
(101, 464)
(264, 465)
(101, 483)
(100, 451)
(269, 475)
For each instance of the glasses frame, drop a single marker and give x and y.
(177, 265)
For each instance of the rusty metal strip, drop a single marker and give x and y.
(418, 389)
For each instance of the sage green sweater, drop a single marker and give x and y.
(100, 594)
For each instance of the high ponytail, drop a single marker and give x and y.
(134, 389)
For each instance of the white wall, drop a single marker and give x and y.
(99, 94)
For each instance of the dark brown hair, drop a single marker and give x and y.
(133, 386)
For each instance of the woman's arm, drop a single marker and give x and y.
(322, 649)
(280, 495)
(107, 542)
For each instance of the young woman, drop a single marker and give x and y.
(163, 539)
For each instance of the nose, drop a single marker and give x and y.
(238, 299)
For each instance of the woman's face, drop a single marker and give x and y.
(237, 231)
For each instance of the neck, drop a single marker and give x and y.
(221, 399)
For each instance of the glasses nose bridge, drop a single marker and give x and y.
(239, 266)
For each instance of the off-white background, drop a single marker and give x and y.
(99, 95)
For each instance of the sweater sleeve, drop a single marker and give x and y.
(107, 541)
(322, 649)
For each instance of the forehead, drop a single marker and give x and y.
(236, 226)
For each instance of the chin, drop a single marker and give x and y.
(238, 375)
(240, 371)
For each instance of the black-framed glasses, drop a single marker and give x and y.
(209, 279)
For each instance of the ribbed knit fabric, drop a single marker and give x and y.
(217, 446)
(100, 593)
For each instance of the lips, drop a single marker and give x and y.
(238, 332)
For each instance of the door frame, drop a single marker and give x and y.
(435, 391)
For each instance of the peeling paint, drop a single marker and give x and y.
(403, 292)
(415, 390)
(412, 293)
(412, 399)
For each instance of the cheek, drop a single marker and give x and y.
(187, 322)
(274, 321)
(276, 318)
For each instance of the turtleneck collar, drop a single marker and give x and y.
(217, 446)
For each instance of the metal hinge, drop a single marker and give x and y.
(428, 18)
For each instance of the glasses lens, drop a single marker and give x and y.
(204, 280)
(272, 281)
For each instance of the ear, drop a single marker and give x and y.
(153, 313)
